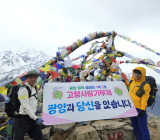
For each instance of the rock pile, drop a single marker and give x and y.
(119, 129)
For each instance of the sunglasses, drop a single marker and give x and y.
(137, 72)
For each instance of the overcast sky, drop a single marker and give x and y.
(47, 25)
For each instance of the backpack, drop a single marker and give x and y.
(152, 82)
(12, 108)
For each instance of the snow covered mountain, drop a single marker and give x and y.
(14, 63)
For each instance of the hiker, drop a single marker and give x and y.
(139, 99)
(26, 121)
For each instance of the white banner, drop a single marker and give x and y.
(84, 101)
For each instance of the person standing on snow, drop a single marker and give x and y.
(139, 122)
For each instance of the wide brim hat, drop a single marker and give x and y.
(31, 73)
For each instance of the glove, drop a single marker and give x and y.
(39, 120)
(141, 112)
(124, 80)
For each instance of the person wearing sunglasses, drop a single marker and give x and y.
(140, 97)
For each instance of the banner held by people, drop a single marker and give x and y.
(84, 101)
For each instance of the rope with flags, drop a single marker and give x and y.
(62, 69)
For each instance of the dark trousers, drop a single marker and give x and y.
(140, 126)
(24, 124)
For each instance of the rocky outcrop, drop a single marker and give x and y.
(154, 127)
(106, 125)
(61, 136)
(84, 133)
(118, 134)
(113, 130)
(128, 121)
(46, 133)
(62, 131)
(117, 129)
(60, 128)
(154, 122)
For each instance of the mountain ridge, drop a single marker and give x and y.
(15, 63)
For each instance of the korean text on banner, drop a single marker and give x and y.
(84, 101)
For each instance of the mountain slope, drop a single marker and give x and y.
(14, 63)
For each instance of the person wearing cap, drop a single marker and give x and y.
(139, 122)
(26, 121)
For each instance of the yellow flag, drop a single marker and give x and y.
(63, 54)
(65, 76)
(102, 56)
(128, 39)
(4, 92)
(153, 51)
(118, 54)
(90, 52)
(19, 80)
(110, 55)
(153, 68)
(106, 33)
(113, 48)
(104, 72)
(79, 43)
(50, 78)
(38, 86)
(88, 62)
(134, 61)
(63, 73)
(96, 77)
(116, 76)
(84, 66)
(46, 68)
(49, 62)
(2, 128)
(90, 68)
(2, 88)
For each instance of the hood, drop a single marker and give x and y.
(143, 71)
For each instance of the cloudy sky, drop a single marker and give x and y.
(47, 25)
